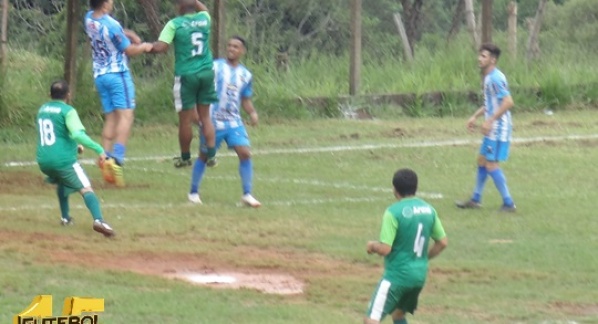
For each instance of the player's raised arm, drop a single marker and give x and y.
(199, 6)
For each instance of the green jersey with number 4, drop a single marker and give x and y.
(190, 35)
(407, 226)
(55, 147)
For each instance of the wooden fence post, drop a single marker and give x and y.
(512, 29)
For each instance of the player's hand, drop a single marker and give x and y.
(80, 149)
(471, 124)
(370, 246)
(487, 127)
(101, 159)
(253, 118)
(147, 47)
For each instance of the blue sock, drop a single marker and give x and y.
(479, 186)
(501, 184)
(63, 201)
(246, 172)
(401, 321)
(198, 169)
(119, 153)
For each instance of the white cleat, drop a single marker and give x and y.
(248, 200)
(194, 198)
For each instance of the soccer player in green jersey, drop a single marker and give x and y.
(407, 227)
(194, 88)
(60, 132)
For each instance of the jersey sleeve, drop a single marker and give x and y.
(389, 228)
(437, 231)
(77, 132)
(501, 86)
(247, 90)
(73, 122)
(167, 34)
(118, 37)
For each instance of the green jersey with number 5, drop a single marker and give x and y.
(190, 35)
(407, 226)
(55, 147)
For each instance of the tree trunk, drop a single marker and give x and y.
(218, 28)
(401, 27)
(70, 54)
(412, 13)
(457, 20)
(150, 8)
(355, 67)
(487, 21)
(4, 33)
(512, 29)
(533, 46)
(471, 23)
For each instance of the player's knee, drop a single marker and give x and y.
(86, 190)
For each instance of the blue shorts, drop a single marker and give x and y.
(233, 137)
(495, 151)
(116, 90)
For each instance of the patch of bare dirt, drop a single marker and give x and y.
(20, 182)
(574, 308)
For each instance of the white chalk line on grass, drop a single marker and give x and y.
(317, 183)
(343, 148)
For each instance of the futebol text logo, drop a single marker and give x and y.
(40, 311)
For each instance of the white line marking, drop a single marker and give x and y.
(330, 149)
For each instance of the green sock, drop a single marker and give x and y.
(63, 201)
(185, 156)
(211, 152)
(401, 321)
(93, 204)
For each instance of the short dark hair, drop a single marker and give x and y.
(59, 90)
(240, 39)
(492, 49)
(405, 182)
(95, 4)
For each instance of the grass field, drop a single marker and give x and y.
(324, 185)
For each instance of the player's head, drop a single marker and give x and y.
(104, 5)
(488, 55)
(405, 182)
(185, 6)
(236, 48)
(59, 90)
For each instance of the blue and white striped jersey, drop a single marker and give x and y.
(232, 85)
(495, 90)
(108, 43)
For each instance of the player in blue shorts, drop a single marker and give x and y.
(497, 129)
(111, 46)
(234, 89)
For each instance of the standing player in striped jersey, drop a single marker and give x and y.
(111, 47)
(407, 227)
(497, 129)
(60, 130)
(189, 33)
(234, 85)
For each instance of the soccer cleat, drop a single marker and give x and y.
(180, 163)
(507, 209)
(212, 162)
(248, 200)
(106, 168)
(103, 228)
(469, 204)
(117, 172)
(67, 221)
(194, 198)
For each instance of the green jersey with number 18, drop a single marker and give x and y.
(190, 35)
(55, 147)
(407, 226)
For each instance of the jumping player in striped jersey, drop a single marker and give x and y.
(234, 86)
(497, 129)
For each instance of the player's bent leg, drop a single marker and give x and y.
(370, 321)
(187, 118)
(398, 317)
(93, 205)
(208, 131)
(109, 132)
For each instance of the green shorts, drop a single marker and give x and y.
(389, 297)
(73, 178)
(193, 89)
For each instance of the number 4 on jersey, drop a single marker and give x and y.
(418, 245)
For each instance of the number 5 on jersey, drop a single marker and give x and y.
(197, 41)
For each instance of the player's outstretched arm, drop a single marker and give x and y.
(77, 132)
(138, 49)
(159, 47)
